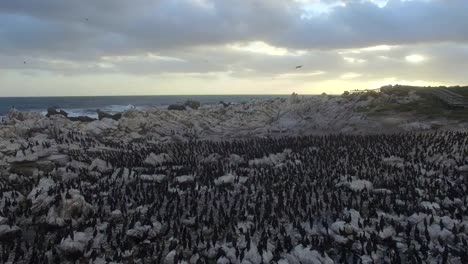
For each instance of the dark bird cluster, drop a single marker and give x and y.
(399, 198)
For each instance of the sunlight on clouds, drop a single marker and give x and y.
(119, 58)
(153, 56)
(181, 83)
(71, 65)
(350, 75)
(200, 75)
(59, 62)
(147, 57)
(415, 58)
(261, 47)
(105, 65)
(395, 81)
(379, 48)
(300, 75)
(379, 3)
(313, 8)
(353, 60)
(202, 3)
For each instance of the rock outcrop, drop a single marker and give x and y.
(192, 104)
(178, 107)
(53, 111)
(102, 115)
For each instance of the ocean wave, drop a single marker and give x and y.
(111, 109)
(119, 108)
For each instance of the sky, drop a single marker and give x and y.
(152, 47)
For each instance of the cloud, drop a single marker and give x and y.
(261, 47)
(415, 58)
(350, 75)
(124, 27)
(235, 40)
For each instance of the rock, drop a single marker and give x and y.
(430, 206)
(224, 104)
(53, 111)
(235, 159)
(99, 126)
(310, 256)
(39, 197)
(138, 232)
(177, 107)
(82, 118)
(116, 215)
(75, 247)
(26, 169)
(294, 99)
(59, 159)
(14, 114)
(185, 178)
(192, 104)
(63, 175)
(102, 115)
(22, 157)
(212, 158)
(8, 232)
(356, 185)
(9, 148)
(152, 178)
(159, 159)
(224, 180)
(99, 165)
(75, 206)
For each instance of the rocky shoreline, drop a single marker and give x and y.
(303, 180)
(277, 117)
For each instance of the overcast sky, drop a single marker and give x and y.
(120, 47)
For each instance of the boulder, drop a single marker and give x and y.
(75, 206)
(74, 247)
(9, 232)
(82, 118)
(156, 160)
(224, 104)
(26, 169)
(99, 126)
(177, 107)
(40, 200)
(102, 115)
(100, 166)
(192, 104)
(53, 111)
(59, 159)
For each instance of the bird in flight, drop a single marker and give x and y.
(24, 62)
(298, 67)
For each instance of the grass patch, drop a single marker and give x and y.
(428, 106)
(461, 90)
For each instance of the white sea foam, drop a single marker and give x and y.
(112, 109)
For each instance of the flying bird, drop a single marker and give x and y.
(298, 67)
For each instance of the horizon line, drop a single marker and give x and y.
(141, 95)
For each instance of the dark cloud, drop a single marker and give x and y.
(119, 26)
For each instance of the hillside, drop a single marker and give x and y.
(414, 100)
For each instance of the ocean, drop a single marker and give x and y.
(87, 105)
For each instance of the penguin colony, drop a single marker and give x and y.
(400, 198)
